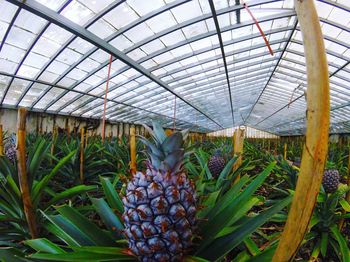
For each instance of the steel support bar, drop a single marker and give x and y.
(53, 17)
(80, 92)
(272, 73)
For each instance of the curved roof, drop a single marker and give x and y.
(205, 57)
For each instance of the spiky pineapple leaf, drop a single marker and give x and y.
(195, 259)
(159, 134)
(172, 143)
(40, 186)
(223, 218)
(225, 172)
(69, 193)
(107, 215)
(64, 230)
(227, 198)
(221, 246)
(82, 256)
(98, 236)
(174, 159)
(111, 194)
(11, 254)
(344, 249)
(44, 245)
(151, 148)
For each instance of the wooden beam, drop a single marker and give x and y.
(316, 143)
(22, 173)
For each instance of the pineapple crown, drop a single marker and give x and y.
(165, 153)
(217, 152)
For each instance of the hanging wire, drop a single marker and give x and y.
(174, 113)
(105, 100)
(258, 26)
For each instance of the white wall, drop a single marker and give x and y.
(45, 122)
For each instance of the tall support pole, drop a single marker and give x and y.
(22, 173)
(132, 150)
(316, 143)
(1, 142)
(86, 137)
(82, 133)
(238, 140)
(54, 138)
(285, 151)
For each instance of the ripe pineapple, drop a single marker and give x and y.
(160, 204)
(330, 180)
(216, 164)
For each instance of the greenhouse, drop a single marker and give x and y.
(175, 130)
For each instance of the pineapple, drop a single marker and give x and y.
(10, 149)
(160, 204)
(216, 164)
(330, 180)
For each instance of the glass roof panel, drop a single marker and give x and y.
(164, 47)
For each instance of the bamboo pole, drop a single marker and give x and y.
(82, 133)
(1, 142)
(316, 143)
(238, 139)
(168, 132)
(54, 137)
(285, 151)
(86, 138)
(132, 150)
(22, 173)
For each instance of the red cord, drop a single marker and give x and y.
(175, 114)
(259, 28)
(105, 100)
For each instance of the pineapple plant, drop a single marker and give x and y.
(216, 163)
(160, 204)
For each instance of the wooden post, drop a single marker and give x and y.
(1, 142)
(168, 132)
(54, 137)
(132, 150)
(238, 139)
(316, 143)
(68, 134)
(82, 131)
(285, 151)
(86, 137)
(22, 172)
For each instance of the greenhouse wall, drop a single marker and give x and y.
(44, 123)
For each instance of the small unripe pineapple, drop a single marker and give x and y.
(10, 149)
(330, 180)
(216, 164)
